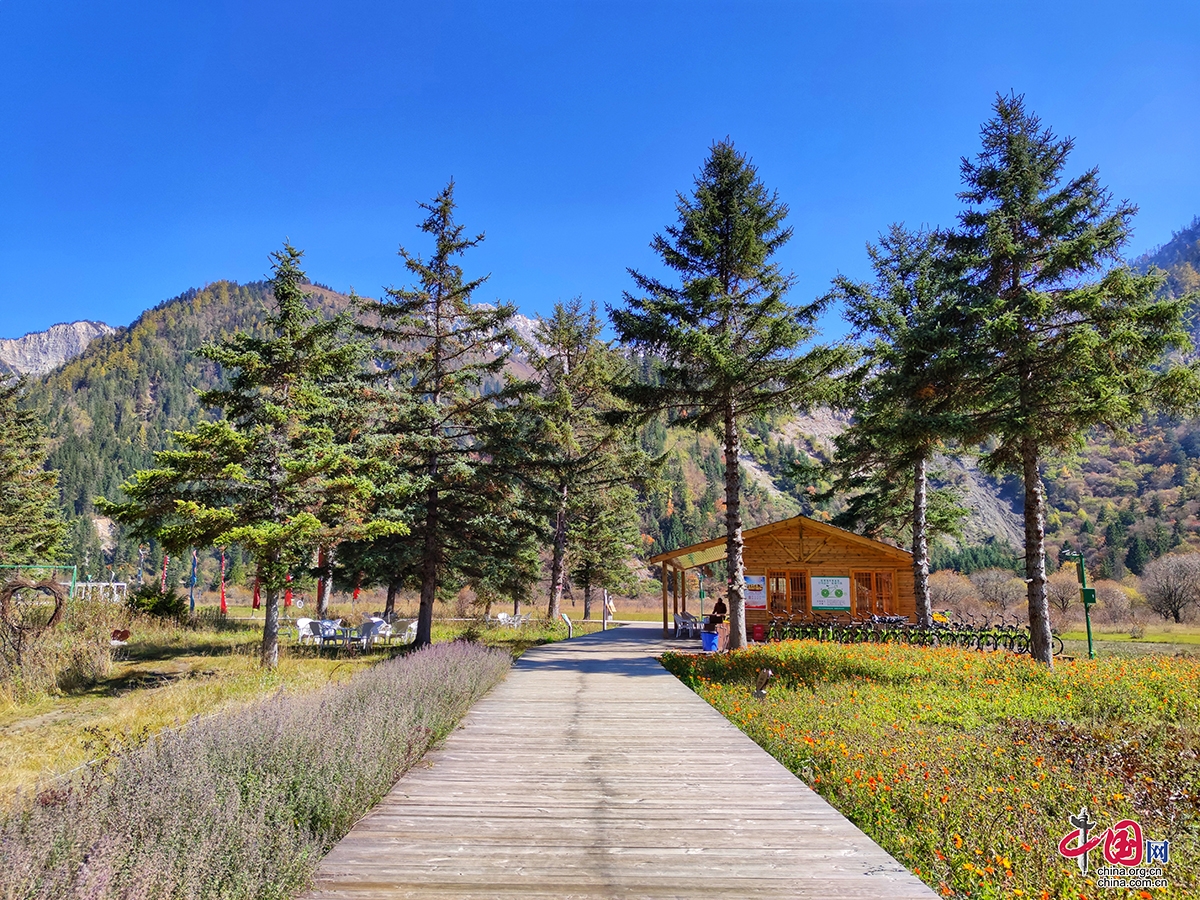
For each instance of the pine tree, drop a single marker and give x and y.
(1138, 555)
(270, 475)
(1060, 334)
(462, 439)
(588, 450)
(604, 536)
(728, 338)
(32, 528)
(905, 401)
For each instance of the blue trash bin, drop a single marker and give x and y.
(708, 640)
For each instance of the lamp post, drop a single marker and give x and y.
(1086, 593)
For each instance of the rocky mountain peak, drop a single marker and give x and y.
(43, 351)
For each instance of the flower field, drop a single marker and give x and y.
(965, 765)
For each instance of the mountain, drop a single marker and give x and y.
(43, 351)
(1179, 258)
(111, 407)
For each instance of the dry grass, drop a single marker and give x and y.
(173, 674)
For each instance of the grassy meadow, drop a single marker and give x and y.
(965, 765)
(171, 673)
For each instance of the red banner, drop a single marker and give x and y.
(224, 608)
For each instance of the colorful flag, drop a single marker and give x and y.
(357, 585)
(257, 599)
(192, 582)
(287, 594)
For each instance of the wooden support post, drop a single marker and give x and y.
(665, 576)
(675, 590)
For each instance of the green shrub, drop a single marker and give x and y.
(152, 601)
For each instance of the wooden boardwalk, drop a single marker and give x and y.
(591, 772)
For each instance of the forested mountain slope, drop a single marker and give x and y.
(1179, 258)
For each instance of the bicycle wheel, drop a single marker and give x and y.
(1056, 645)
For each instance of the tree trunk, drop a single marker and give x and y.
(733, 534)
(270, 641)
(1040, 647)
(324, 581)
(429, 565)
(560, 553)
(389, 608)
(587, 599)
(920, 547)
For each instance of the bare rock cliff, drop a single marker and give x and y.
(43, 351)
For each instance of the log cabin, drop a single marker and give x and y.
(797, 567)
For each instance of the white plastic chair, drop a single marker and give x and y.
(324, 632)
(364, 635)
(383, 629)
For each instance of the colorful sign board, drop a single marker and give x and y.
(756, 592)
(830, 593)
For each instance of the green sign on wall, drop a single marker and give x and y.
(831, 594)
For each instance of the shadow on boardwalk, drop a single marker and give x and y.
(592, 772)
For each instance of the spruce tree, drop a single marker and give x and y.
(462, 439)
(728, 339)
(31, 524)
(1060, 334)
(589, 450)
(604, 536)
(905, 401)
(270, 474)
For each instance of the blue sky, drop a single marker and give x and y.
(152, 147)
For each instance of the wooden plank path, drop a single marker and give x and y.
(591, 772)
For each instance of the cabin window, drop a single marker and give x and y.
(787, 593)
(798, 591)
(874, 593)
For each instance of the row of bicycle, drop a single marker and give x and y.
(967, 633)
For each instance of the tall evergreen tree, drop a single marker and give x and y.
(1061, 335)
(588, 449)
(31, 526)
(462, 439)
(604, 537)
(905, 401)
(728, 338)
(270, 475)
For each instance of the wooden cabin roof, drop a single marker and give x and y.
(711, 551)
